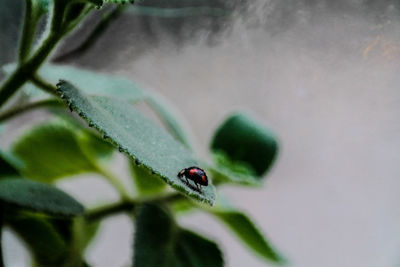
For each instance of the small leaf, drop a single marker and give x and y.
(245, 229)
(46, 244)
(39, 197)
(159, 242)
(243, 140)
(146, 182)
(147, 144)
(57, 149)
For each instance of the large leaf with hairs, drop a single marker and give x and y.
(162, 12)
(6, 168)
(57, 149)
(243, 149)
(249, 234)
(137, 136)
(159, 242)
(38, 197)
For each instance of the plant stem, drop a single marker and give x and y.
(102, 212)
(93, 36)
(28, 107)
(114, 181)
(43, 84)
(28, 31)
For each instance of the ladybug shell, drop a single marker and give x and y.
(195, 174)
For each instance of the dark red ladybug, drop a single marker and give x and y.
(197, 175)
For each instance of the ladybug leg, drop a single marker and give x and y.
(197, 186)
(187, 181)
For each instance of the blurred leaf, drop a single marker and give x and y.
(243, 141)
(148, 144)
(84, 232)
(194, 250)
(57, 149)
(146, 183)
(154, 237)
(40, 8)
(6, 169)
(39, 197)
(163, 12)
(46, 244)
(169, 118)
(246, 231)
(92, 82)
(101, 84)
(159, 242)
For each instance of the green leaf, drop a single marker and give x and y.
(39, 197)
(92, 82)
(6, 168)
(168, 117)
(84, 232)
(101, 84)
(159, 242)
(245, 142)
(144, 141)
(154, 237)
(246, 231)
(57, 149)
(146, 183)
(194, 250)
(162, 12)
(47, 245)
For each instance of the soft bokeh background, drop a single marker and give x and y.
(324, 75)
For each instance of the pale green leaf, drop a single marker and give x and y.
(249, 234)
(146, 183)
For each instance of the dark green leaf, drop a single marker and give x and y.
(6, 168)
(159, 242)
(246, 142)
(57, 149)
(31, 195)
(148, 144)
(154, 237)
(245, 229)
(146, 182)
(193, 250)
(46, 244)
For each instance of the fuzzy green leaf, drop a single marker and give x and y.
(39, 197)
(246, 231)
(245, 142)
(47, 245)
(144, 141)
(58, 149)
(146, 183)
(159, 242)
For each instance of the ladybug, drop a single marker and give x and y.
(197, 175)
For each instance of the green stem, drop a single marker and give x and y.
(1, 241)
(28, 32)
(43, 84)
(28, 107)
(114, 181)
(111, 209)
(93, 36)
